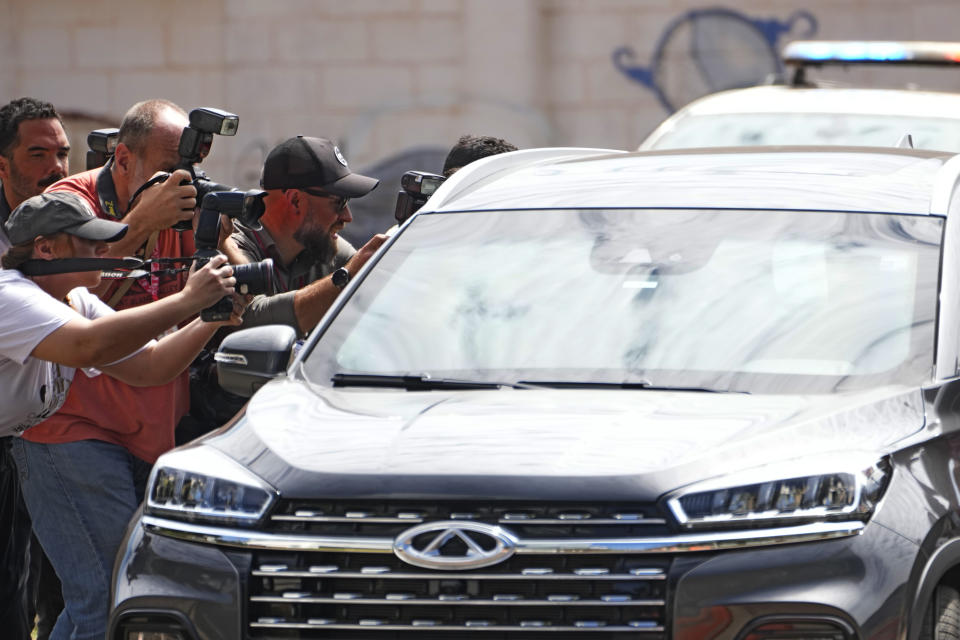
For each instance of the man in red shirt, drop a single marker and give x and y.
(89, 462)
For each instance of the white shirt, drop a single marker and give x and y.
(31, 390)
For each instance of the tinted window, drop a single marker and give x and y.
(759, 301)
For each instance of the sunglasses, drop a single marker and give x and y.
(339, 202)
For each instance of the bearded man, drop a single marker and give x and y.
(309, 186)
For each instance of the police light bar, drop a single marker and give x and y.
(819, 52)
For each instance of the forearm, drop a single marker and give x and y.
(164, 360)
(95, 343)
(312, 302)
(135, 237)
(275, 309)
(235, 255)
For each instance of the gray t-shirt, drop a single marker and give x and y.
(278, 308)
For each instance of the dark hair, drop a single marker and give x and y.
(470, 148)
(16, 255)
(15, 112)
(20, 253)
(140, 120)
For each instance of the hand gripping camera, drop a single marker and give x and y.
(254, 278)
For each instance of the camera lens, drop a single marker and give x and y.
(254, 278)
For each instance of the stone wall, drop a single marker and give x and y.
(382, 76)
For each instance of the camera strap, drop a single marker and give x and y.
(107, 191)
(35, 267)
(162, 177)
(126, 284)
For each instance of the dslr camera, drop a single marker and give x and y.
(254, 278)
(416, 187)
(195, 143)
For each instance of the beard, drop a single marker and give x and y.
(21, 186)
(319, 244)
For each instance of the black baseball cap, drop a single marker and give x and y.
(301, 163)
(56, 212)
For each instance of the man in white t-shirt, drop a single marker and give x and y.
(34, 153)
(49, 326)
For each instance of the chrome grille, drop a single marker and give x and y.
(556, 520)
(360, 595)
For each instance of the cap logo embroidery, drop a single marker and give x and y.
(340, 158)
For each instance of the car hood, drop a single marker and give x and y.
(562, 443)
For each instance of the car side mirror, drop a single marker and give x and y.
(248, 359)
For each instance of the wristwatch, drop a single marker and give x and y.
(340, 277)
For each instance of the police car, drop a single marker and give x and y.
(800, 112)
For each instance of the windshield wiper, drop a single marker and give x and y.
(416, 383)
(646, 385)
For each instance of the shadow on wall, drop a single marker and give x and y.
(709, 50)
(373, 213)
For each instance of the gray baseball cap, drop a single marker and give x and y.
(59, 211)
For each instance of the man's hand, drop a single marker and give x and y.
(210, 283)
(240, 303)
(226, 230)
(363, 254)
(165, 204)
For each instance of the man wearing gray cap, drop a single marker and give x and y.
(308, 186)
(51, 325)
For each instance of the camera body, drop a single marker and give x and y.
(102, 143)
(253, 278)
(416, 188)
(195, 142)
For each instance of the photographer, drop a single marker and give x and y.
(470, 148)
(49, 326)
(147, 144)
(107, 423)
(308, 186)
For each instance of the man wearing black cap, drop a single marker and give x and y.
(308, 186)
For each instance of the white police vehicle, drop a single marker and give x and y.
(820, 114)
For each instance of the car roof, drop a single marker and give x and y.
(790, 99)
(782, 99)
(864, 179)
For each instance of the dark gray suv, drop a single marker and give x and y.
(594, 395)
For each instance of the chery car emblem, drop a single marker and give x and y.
(454, 545)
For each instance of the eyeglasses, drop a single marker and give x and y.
(339, 202)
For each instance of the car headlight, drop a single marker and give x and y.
(775, 501)
(202, 484)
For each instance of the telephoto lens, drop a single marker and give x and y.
(254, 278)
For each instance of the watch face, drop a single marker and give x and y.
(340, 277)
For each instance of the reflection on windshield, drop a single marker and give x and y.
(746, 129)
(745, 300)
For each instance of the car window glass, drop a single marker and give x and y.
(691, 297)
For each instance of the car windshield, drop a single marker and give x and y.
(758, 301)
(746, 129)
